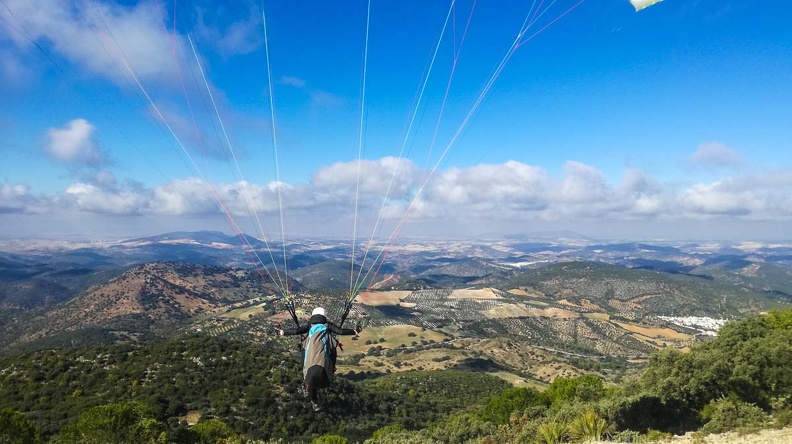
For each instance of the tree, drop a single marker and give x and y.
(124, 423)
(15, 428)
(584, 388)
(512, 400)
(212, 430)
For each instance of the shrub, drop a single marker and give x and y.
(728, 414)
(14, 427)
(127, 423)
(656, 435)
(551, 432)
(462, 428)
(212, 430)
(626, 436)
(588, 427)
(330, 439)
(512, 400)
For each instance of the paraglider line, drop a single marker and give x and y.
(360, 150)
(275, 151)
(401, 152)
(242, 183)
(548, 25)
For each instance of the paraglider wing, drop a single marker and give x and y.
(641, 4)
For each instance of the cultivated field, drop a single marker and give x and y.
(663, 333)
(484, 293)
(377, 298)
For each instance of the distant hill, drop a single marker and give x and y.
(32, 286)
(331, 274)
(149, 299)
(203, 237)
(655, 292)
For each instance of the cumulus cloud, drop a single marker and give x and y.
(87, 33)
(94, 199)
(508, 194)
(74, 144)
(583, 184)
(763, 196)
(376, 177)
(13, 197)
(714, 154)
(512, 185)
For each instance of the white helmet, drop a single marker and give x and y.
(318, 311)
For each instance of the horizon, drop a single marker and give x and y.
(539, 237)
(140, 118)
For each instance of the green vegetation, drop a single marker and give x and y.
(143, 393)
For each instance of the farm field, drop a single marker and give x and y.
(377, 298)
(663, 333)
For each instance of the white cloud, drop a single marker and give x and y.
(583, 184)
(75, 144)
(318, 97)
(14, 198)
(715, 154)
(180, 197)
(93, 199)
(512, 184)
(295, 82)
(97, 35)
(376, 177)
(511, 194)
(765, 196)
(237, 38)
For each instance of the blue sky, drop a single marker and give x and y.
(672, 122)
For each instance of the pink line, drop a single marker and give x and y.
(230, 218)
(548, 25)
(450, 79)
(530, 22)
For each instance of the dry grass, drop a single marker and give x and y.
(393, 337)
(783, 436)
(508, 311)
(554, 313)
(519, 381)
(376, 298)
(569, 304)
(192, 417)
(663, 333)
(600, 316)
(245, 313)
(484, 293)
(526, 292)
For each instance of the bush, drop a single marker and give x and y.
(462, 428)
(212, 430)
(588, 427)
(584, 388)
(783, 418)
(14, 427)
(626, 436)
(656, 435)
(728, 414)
(512, 400)
(330, 439)
(551, 432)
(125, 423)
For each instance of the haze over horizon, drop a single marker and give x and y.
(671, 123)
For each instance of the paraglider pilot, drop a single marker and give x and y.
(320, 351)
